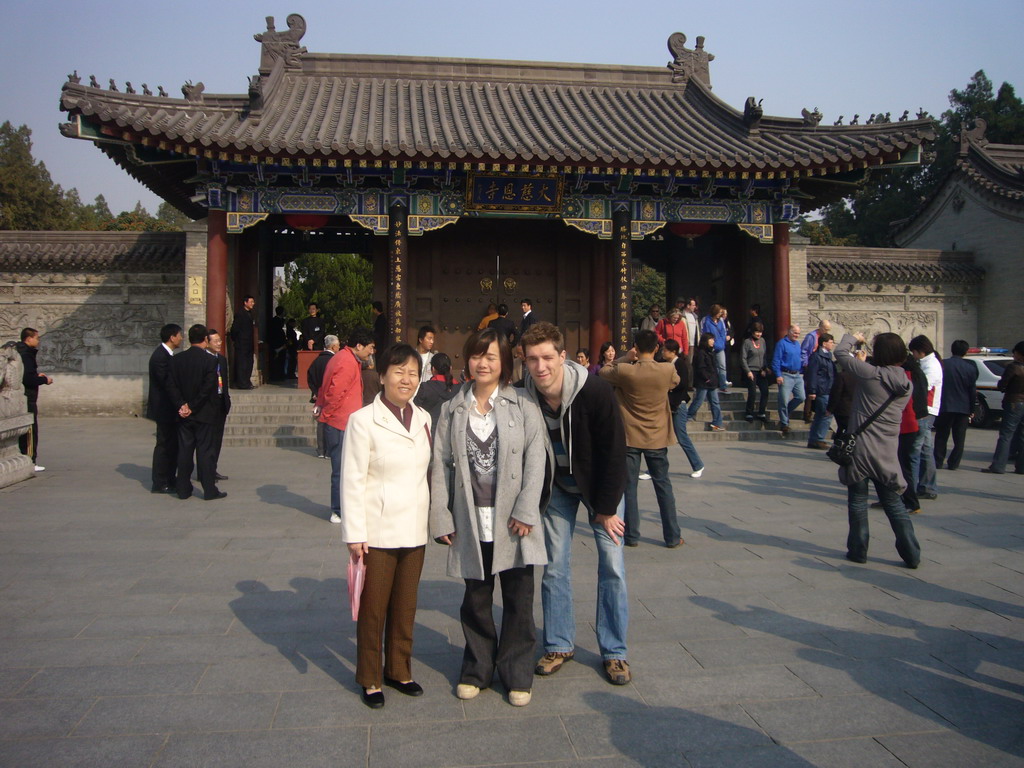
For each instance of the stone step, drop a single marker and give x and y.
(256, 441)
(286, 412)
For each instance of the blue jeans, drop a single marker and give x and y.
(819, 428)
(679, 419)
(720, 363)
(899, 519)
(698, 398)
(792, 387)
(1011, 428)
(556, 586)
(657, 465)
(333, 440)
(922, 463)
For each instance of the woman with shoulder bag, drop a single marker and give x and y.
(879, 400)
(488, 476)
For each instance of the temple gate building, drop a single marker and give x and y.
(470, 181)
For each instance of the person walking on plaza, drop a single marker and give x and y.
(487, 480)
(195, 390)
(339, 396)
(786, 365)
(32, 380)
(810, 343)
(705, 382)
(678, 397)
(215, 346)
(714, 323)
(673, 327)
(160, 409)
(882, 389)
(818, 380)
(1011, 429)
(641, 386)
(315, 379)
(959, 394)
(756, 373)
(385, 516)
(587, 460)
(243, 334)
(923, 456)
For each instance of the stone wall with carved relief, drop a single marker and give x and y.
(98, 300)
(903, 291)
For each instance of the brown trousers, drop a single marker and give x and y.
(387, 609)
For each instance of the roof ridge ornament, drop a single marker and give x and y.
(277, 46)
(811, 119)
(975, 135)
(752, 114)
(687, 63)
(193, 92)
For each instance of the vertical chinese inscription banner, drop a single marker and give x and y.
(525, 193)
(397, 259)
(622, 313)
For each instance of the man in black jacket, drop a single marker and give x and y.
(31, 379)
(587, 463)
(215, 346)
(161, 408)
(959, 394)
(195, 391)
(503, 325)
(243, 334)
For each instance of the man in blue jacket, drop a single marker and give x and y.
(786, 364)
(587, 463)
(818, 380)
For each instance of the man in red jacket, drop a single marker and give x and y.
(341, 395)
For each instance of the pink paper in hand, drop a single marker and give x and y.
(356, 576)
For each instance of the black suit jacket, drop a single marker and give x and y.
(959, 385)
(242, 329)
(160, 406)
(505, 326)
(194, 381)
(526, 322)
(224, 401)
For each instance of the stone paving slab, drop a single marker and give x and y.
(141, 630)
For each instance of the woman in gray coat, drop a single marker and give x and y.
(875, 457)
(488, 474)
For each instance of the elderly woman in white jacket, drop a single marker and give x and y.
(490, 454)
(384, 521)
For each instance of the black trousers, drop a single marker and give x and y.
(165, 454)
(243, 366)
(906, 447)
(196, 437)
(759, 383)
(218, 439)
(29, 442)
(511, 653)
(946, 423)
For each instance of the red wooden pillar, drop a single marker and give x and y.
(780, 276)
(398, 215)
(622, 306)
(216, 269)
(599, 330)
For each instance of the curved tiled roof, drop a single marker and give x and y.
(433, 108)
(92, 251)
(996, 168)
(870, 270)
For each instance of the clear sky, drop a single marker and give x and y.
(859, 56)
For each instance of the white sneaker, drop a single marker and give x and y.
(698, 473)
(335, 517)
(465, 691)
(644, 476)
(519, 698)
(40, 469)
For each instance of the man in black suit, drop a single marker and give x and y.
(196, 391)
(215, 346)
(313, 330)
(959, 394)
(528, 317)
(243, 334)
(503, 325)
(161, 408)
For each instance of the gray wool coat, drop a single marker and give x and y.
(875, 456)
(522, 457)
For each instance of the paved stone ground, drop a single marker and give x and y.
(139, 630)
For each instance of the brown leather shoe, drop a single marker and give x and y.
(617, 671)
(550, 663)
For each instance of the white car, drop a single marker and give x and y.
(991, 364)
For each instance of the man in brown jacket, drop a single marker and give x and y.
(641, 387)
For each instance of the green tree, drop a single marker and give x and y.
(889, 196)
(171, 216)
(137, 220)
(84, 217)
(29, 199)
(648, 289)
(819, 232)
(340, 284)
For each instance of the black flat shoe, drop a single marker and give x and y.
(412, 688)
(853, 559)
(373, 700)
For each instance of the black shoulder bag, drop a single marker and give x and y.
(844, 445)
